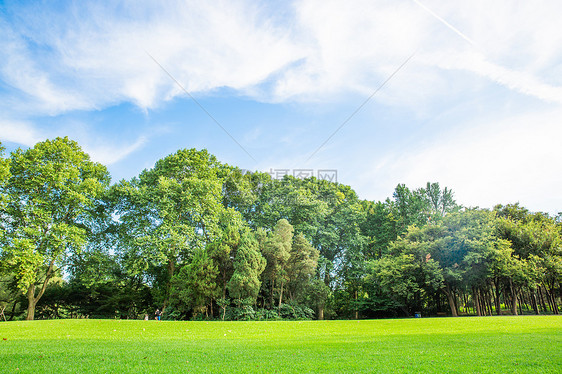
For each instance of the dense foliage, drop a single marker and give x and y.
(201, 239)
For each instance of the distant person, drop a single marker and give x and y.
(157, 315)
(146, 317)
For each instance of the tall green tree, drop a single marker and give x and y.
(50, 194)
(535, 263)
(194, 286)
(460, 251)
(408, 273)
(410, 207)
(379, 228)
(304, 203)
(244, 285)
(472, 247)
(222, 250)
(301, 266)
(422, 205)
(440, 200)
(277, 250)
(171, 211)
(339, 237)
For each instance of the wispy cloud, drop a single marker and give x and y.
(98, 59)
(519, 81)
(92, 57)
(114, 152)
(475, 61)
(98, 147)
(19, 132)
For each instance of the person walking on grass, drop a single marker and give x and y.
(157, 314)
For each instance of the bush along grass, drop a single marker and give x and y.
(248, 313)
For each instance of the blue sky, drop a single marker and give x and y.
(477, 106)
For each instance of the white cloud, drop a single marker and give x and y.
(351, 47)
(491, 162)
(108, 154)
(522, 82)
(100, 149)
(474, 59)
(98, 58)
(18, 132)
(94, 56)
(355, 48)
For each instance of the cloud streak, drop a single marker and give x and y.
(443, 21)
(109, 154)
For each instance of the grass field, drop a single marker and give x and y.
(434, 345)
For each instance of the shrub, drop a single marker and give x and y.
(242, 313)
(295, 311)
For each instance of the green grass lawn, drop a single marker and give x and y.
(435, 345)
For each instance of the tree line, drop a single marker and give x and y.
(202, 239)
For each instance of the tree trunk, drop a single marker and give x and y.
(488, 299)
(13, 310)
(321, 312)
(535, 303)
(356, 311)
(455, 301)
(224, 283)
(476, 302)
(451, 300)
(497, 300)
(281, 294)
(548, 299)
(271, 297)
(31, 298)
(31, 303)
(483, 303)
(541, 299)
(291, 295)
(513, 298)
(550, 294)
